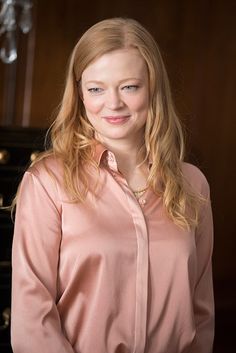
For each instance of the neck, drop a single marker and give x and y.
(127, 152)
(128, 159)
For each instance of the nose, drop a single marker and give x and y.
(114, 100)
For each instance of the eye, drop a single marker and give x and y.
(130, 87)
(95, 90)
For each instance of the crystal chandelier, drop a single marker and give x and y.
(13, 14)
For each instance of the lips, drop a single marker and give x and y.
(119, 119)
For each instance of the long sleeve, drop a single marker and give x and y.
(203, 294)
(36, 323)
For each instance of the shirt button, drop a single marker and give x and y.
(110, 157)
(142, 202)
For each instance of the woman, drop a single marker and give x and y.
(113, 233)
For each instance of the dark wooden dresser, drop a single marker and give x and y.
(18, 147)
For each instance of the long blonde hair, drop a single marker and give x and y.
(72, 136)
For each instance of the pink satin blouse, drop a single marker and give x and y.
(111, 275)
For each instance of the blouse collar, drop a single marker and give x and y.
(103, 155)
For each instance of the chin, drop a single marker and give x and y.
(114, 137)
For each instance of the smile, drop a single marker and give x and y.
(121, 119)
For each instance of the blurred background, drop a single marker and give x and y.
(198, 43)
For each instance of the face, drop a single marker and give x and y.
(114, 90)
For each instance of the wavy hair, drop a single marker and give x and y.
(72, 136)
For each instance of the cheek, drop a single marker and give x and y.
(92, 105)
(139, 104)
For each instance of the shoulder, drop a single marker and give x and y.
(195, 177)
(46, 175)
(48, 165)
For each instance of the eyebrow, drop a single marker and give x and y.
(121, 81)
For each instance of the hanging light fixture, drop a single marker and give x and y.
(13, 14)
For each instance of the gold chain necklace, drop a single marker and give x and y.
(139, 193)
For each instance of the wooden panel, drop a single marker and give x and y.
(14, 82)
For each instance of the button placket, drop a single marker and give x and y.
(142, 259)
(141, 272)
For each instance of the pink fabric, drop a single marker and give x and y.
(112, 275)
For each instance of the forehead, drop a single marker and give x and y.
(118, 62)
